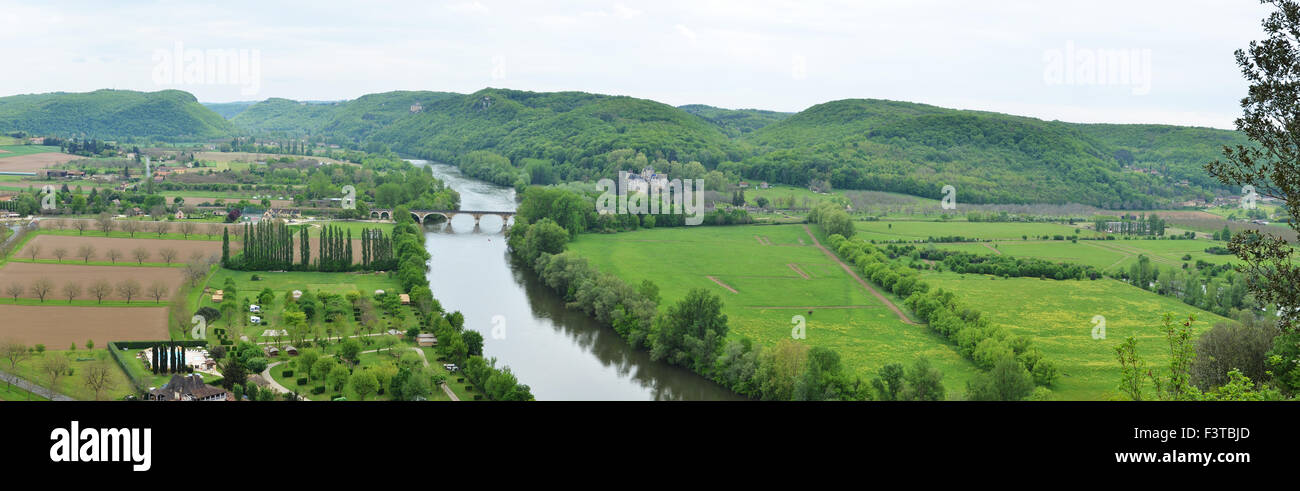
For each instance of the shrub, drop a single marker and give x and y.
(319, 389)
(302, 380)
(288, 373)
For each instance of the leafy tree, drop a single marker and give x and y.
(924, 382)
(363, 384)
(691, 332)
(337, 377)
(1007, 381)
(232, 373)
(1271, 162)
(473, 343)
(889, 382)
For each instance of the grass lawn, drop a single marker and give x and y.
(1058, 315)
(73, 386)
(14, 393)
(756, 262)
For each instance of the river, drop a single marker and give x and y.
(561, 354)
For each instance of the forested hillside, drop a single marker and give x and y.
(735, 122)
(990, 158)
(561, 126)
(518, 137)
(276, 115)
(356, 119)
(167, 114)
(229, 109)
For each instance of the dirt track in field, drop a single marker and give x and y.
(897, 311)
(60, 274)
(59, 326)
(184, 248)
(721, 284)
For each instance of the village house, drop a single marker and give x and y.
(188, 388)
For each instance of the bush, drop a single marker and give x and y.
(302, 380)
(319, 389)
(288, 373)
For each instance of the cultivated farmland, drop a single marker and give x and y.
(47, 245)
(58, 327)
(24, 273)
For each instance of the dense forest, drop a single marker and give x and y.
(852, 144)
(171, 115)
(989, 158)
(735, 122)
(228, 109)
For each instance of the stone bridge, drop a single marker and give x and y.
(421, 215)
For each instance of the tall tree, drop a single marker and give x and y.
(1271, 119)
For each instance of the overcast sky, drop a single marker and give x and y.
(1028, 57)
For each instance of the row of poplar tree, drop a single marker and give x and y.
(268, 246)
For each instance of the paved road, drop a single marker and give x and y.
(854, 274)
(33, 388)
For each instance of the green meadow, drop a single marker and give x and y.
(755, 261)
(889, 230)
(16, 150)
(1058, 316)
(1110, 256)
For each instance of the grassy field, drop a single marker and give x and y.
(72, 386)
(17, 150)
(1110, 256)
(1058, 316)
(890, 230)
(755, 261)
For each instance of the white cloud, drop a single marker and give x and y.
(469, 8)
(626, 12)
(686, 32)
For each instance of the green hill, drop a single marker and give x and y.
(229, 109)
(276, 115)
(167, 114)
(356, 119)
(853, 144)
(563, 127)
(735, 122)
(989, 157)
